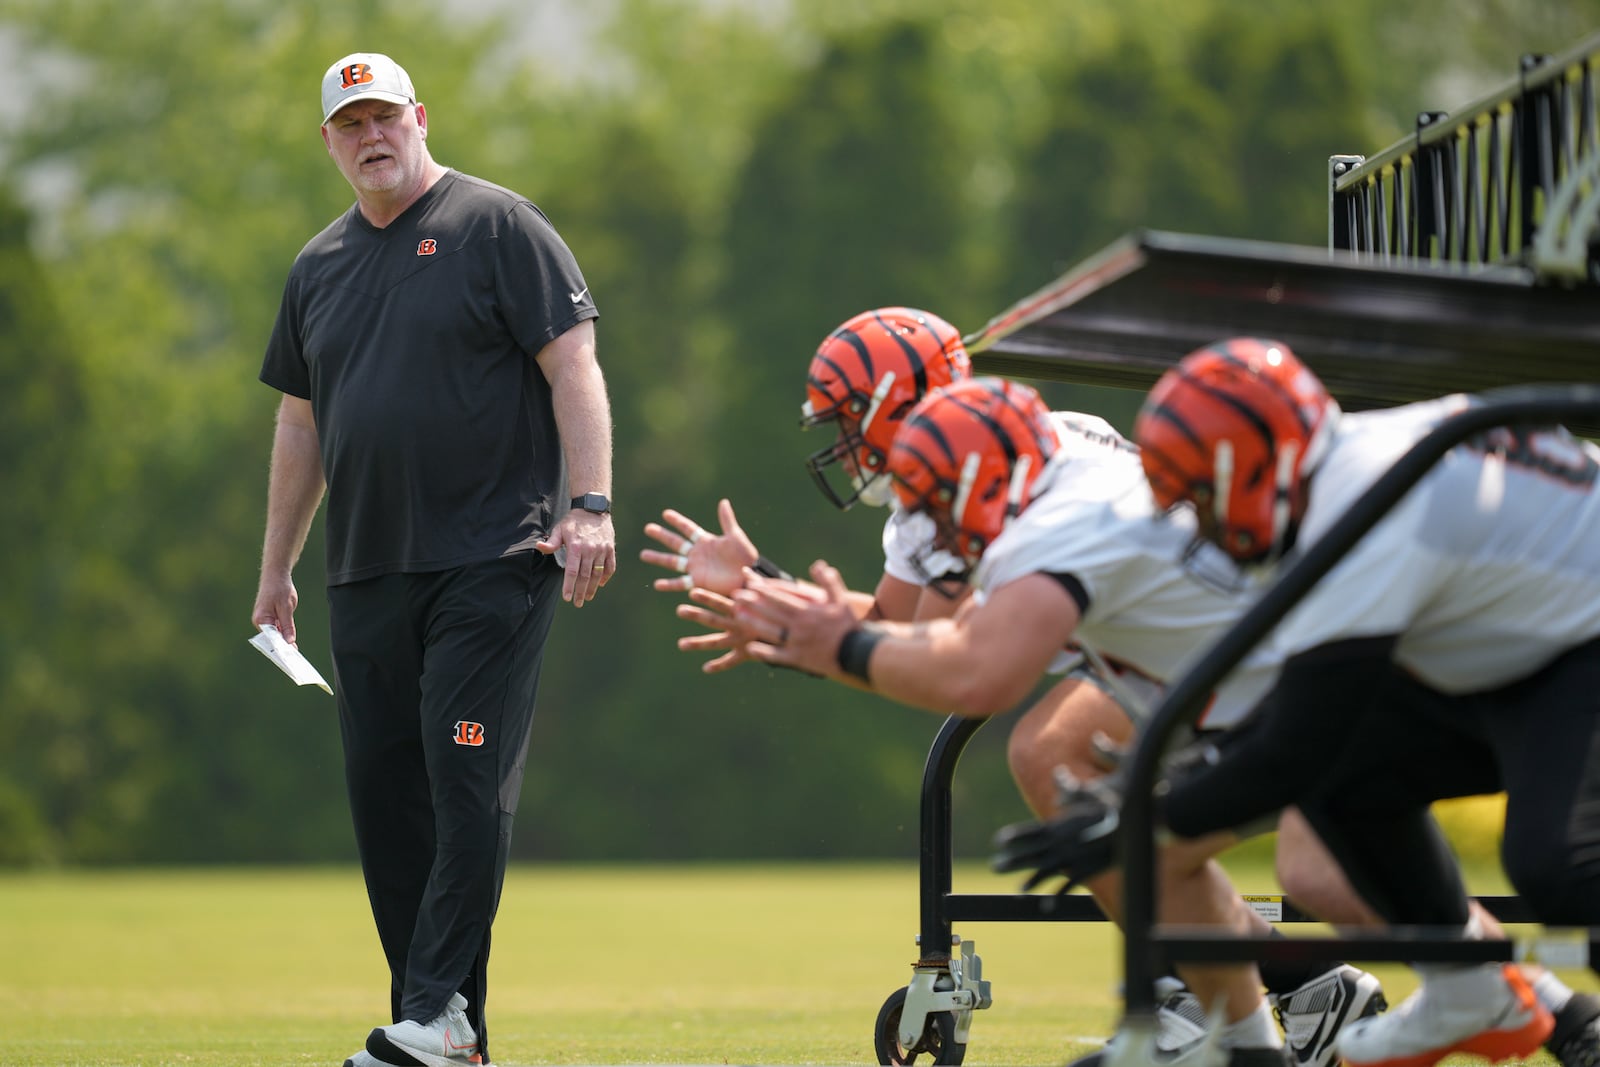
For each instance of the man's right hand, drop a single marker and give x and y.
(702, 559)
(276, 600)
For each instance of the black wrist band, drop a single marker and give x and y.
(855, 651)
(768, 569)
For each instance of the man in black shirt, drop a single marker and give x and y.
(435, 350)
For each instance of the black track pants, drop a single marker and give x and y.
(436, 676)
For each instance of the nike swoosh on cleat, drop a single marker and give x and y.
(451, 1048)
(1308, 1051)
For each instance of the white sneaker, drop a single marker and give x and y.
(448, 1040)
(1487, 1011)
(1180, 1021)
(1313, 1015)
(367, 1059)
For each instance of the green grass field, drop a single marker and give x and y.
(595, 965)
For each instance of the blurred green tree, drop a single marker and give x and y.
(736, 180)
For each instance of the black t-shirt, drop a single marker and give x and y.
(415, 344)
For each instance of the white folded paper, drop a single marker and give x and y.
(272, 645)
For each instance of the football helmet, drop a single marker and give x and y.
(969, 456)
(865, 377)
(1235, 429)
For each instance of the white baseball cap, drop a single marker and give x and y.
(364, 76)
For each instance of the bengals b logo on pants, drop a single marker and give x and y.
(468, 733)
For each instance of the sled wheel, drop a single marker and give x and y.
(938, 1038)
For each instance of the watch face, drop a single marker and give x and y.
(594, 502)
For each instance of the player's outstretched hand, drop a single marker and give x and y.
(797, 624)
(701, 558)
(1078, 844)
(715, 612)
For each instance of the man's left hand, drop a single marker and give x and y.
(591, 549)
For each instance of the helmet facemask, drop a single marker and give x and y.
(862, 465)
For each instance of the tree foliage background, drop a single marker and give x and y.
(735, 179)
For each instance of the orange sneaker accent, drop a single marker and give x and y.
(1493, 1045)
(1497, 1045)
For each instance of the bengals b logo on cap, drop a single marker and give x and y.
(469, 734)
(365, 76)
(355, 74)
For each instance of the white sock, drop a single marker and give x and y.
(1256, 1030)
(1473, 931)
(1552, 992)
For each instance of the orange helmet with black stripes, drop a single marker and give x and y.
(1235, 429)
(865, 377)
(969, 456)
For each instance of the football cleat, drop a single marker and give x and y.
(1487, 1011)
(1575, 1041)
(1313, 1015)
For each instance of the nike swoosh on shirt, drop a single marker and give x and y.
(577, 298)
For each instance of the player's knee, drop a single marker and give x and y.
(1299, 882)
(1558, 887)
(1033, 771)
(1025, 756)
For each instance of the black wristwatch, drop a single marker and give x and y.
(598, 503)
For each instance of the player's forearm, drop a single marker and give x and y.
(935, 666)
(583, 419)
(863, 604)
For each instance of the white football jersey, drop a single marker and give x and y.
(1154, 604)
(1488, 568)
(907, 539)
